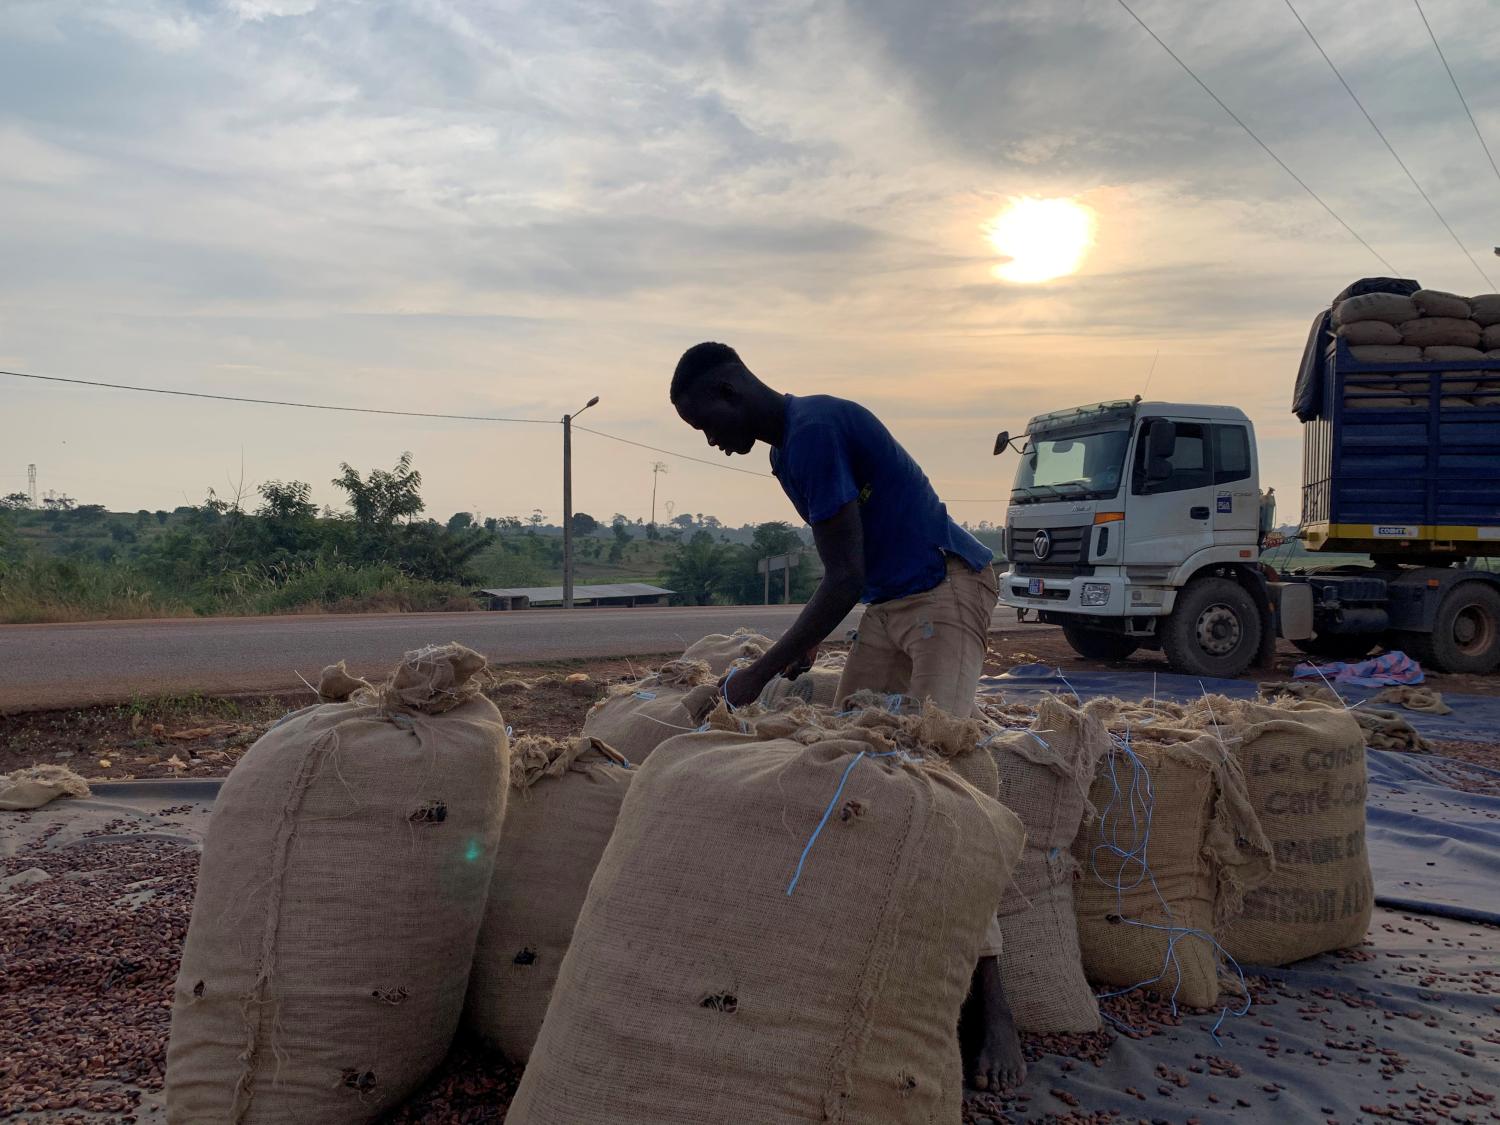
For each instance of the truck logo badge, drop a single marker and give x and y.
(1226, 503)
(1395, 533)
(1041, 546)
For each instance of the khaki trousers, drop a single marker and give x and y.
(929, 645)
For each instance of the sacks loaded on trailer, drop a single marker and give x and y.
(777, 932)
(564, 799)
(340, 895)
(635, 719)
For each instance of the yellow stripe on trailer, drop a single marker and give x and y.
(1317, 534)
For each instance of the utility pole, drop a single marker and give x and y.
(657, 468)
(567, 425)
(31, 483)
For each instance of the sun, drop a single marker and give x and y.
(1042, 238)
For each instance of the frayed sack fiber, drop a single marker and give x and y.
(819, 685)
(31, 787)
(1166, 864)
(340, 895)
(721, 651)
(1304, 767)
(637, 718)
(564, 800)
(777, 933)
(1045, 773)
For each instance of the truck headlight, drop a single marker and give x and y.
(1094, 594)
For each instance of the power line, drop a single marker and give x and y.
(276, 402)
(1389, 147)
(373, 410)
(670, 452)
(1456, 90)
(1251, 132)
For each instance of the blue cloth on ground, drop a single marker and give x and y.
(1386, 670)
(835, 451)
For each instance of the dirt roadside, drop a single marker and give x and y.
(203, 736)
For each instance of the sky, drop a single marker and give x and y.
(505, 208)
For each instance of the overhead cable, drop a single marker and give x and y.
(1251, 132)
(1389, 147)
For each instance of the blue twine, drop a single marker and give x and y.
(724, 688)
(1139, 800)
(645, 695)
(828, 812)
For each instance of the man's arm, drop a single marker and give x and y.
(840, 541)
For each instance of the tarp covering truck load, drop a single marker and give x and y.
(1140, 524)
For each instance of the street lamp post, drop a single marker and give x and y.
(567, 425)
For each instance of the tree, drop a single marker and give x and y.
(382, 499)
(536, 519)
(696, 570)
(461, 521)
(584, 524)
(286, 501)
(15, 502)
(162, 517)
(90, 513)
(58, 503)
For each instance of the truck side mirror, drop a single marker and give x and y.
(1002, 442)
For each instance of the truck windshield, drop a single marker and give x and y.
(1076, 467)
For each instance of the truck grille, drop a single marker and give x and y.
(1068, 548)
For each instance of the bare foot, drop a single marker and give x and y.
(999, 1065)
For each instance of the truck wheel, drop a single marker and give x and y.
(1096, 644)
(1466, 635)
(1338, 646)
(1214, 629)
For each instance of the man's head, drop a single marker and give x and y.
(715, 393)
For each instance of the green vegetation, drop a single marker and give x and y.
(276, 552)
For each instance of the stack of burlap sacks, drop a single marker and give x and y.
(1431, 326)
(785, 898)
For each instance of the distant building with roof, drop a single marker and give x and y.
(616, 594)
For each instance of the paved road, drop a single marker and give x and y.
(46, 666)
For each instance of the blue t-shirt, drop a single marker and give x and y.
(836, 451)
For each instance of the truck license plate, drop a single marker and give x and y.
(1036, 587)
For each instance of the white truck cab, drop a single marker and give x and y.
(1138, 525)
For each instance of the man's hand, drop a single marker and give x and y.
(743, 686)
(802, 664)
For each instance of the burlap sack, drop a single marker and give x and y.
(31, 787)
(1453, 353)
(777, 932)
(720, 651)
(1489, 339)
(1434, 302)
(637, 718)
(1304, 765)
(1384, 353)
(1485, 309)
(1369, 332)
(1166, 864)
(339, 898)
(819, 685)
(1384, 400)
(1389, 307)
(1439, 331)
(1045, 774)
(565, 797)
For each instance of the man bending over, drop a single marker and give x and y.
(884, 538)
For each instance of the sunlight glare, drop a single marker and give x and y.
(1043, 238)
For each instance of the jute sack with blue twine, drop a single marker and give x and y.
(565, 797)
(635, 719)
(1166, 864)
(1304, 765)
(339, 898)
(1045, 772)
(778, 932)
(722, 651)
